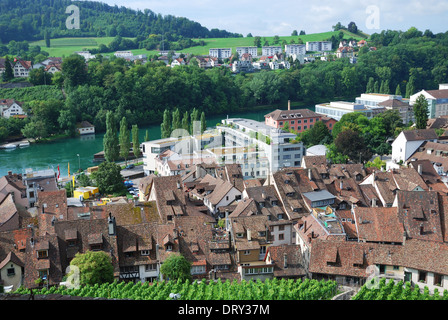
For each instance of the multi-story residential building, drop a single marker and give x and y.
(253, 51)
(389, 102)
(258, 148)
(270, 50)
(36, 181)
(220, 53)
(10, 108)
(22, 68)
(250, 240)
(404, 109)
(123, 54)
(437, 101)
(319, 46)
(409, 141)
(295, 49)
(336, 109)
(297, 120)
(242, 66)
(344, 52)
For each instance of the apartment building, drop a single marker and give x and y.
(298, 119)
(220, 53)
(437, 101)
(259, 148)
(253, 51)
(295, 49)
(270, 50)
(319, 46)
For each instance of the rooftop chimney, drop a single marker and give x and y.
(285, 261)
(178, 185)
(111, 224)
(373, 202)
(249, 235)
(419, 169)
(310, 176)
(289, 104)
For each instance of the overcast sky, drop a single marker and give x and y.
(281, 17)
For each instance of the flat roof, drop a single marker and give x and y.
(260, 126)
(318, 195)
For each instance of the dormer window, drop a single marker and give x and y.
(240, 235)
(42, 254)
(144, 252)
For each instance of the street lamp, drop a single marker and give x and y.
(79, 163)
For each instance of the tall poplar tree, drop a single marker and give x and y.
(135, 141)
(410, 87)
(125, 139)
(421, 112)
(176, 124)
(9, 72)
(398, 90)
(166, 124)
(110, 140)
(370, 83)
(203, 122)
(186, 122)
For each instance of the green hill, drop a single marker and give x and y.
(66, 46)
(30, 19)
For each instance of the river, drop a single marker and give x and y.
(63, 152)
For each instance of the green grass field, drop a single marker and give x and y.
(65, 46)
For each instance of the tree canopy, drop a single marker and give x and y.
(176, 267)
(95, 267)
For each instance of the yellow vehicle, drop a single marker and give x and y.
(104, 201)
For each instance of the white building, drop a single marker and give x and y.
(247, 145)
(409, 141)
(253, 51)
(337, 109)
(388, 101)
(373, 99)
(86, 54)
(297, 49)
(319, 46)
(152, 149)
(10, 107)
(123, 54)
(258, 148)
(86, 127)
(437, 101)
(270, 50)
(220, 53)
(22, 68)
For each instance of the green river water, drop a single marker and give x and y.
(64, 151)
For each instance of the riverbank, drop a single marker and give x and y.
(17, 144)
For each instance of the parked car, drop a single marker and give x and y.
(130, 166)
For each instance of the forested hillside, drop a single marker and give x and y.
(30, 19)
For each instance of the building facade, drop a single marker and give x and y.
(220, 53)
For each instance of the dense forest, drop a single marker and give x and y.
(31, 19)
